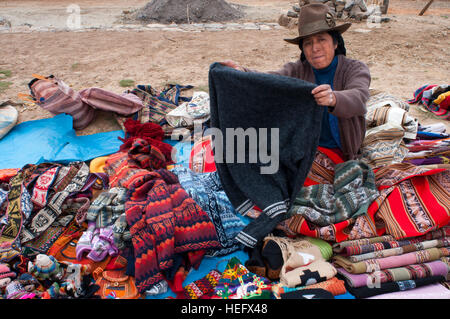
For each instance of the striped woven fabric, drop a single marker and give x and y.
(157, 103)
(371, 265)
(57, 97)
(368, 248)
(414, 245)
(415, 205)
(427, 96)
(414, 271)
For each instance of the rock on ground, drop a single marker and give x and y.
(187, 11)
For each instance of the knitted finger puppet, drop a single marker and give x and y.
(6, 276)
(15, 290)
(31, 284)
(73, 278)
(46, 267)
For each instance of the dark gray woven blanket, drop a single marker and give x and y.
(274, 123)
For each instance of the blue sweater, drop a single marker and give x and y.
(329, 135)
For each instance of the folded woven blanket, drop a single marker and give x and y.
(372, 265)
(433, 268)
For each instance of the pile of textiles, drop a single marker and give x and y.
(388, 124)
(138, 224)
(382, 265)
(432, 146)
(296, 266)
(413, 200)
(172, 108)
(434, 98)
(124, 217)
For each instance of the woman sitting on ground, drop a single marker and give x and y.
(343, 83)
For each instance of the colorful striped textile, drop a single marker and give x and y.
(157, 103)
(375, 264)
(415, 200)
(428, 94)
(388, 123)
(414, 271)
(339, 248)
(368, 248)
(164, 220)
(413, 246)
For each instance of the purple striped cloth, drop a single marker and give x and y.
(433, 268)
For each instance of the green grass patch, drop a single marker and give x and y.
(75, 66)
(4, 85)
(5, 73)
(126, 83)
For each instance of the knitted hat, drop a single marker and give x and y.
(5, 271)
(15, 290)
(325, 248)
(45, 264)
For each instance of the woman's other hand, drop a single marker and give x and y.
(323, 94)
(232, 64)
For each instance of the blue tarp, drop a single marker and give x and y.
(53, 140)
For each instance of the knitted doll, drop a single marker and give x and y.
(73, 276)
(6, 276)
(46, 267)
(31, 284)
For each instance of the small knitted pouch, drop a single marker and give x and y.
(203, 287)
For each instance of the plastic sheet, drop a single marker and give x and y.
(53, 140)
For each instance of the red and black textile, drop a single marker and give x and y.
(164, 220)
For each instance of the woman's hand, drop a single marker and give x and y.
(232, 64)
(323, 94)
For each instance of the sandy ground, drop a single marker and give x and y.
(402, 54)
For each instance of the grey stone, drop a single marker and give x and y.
(214, 26)
(264, 27)
(5, 22)
(156, 25)
(250, 26)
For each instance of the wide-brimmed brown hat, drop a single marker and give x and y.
(315, 18)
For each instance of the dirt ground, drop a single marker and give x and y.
(402, 54)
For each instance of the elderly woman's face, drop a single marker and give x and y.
(319, 50)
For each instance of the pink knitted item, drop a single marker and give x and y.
(5, 272)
